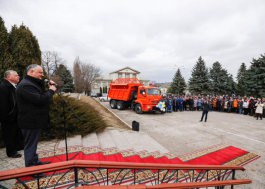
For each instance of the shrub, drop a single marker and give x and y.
(80, 118)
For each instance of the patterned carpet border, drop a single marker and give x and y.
(202, 152)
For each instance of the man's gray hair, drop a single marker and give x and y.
(7, 73)
(32, 66)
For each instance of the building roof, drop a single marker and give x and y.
(120, 70)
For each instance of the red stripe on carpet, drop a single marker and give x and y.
(113, 157)
(218, 157)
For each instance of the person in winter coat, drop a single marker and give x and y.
(205, 109)
(33, 110)
(259, 109)
(240, 106)
(245, 106)
(180, 103)
(263, 100)
(251, 106)
(175, 104)
(8, 114)
(195, 103)
(199, 104)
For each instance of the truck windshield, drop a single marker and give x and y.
(153, 91)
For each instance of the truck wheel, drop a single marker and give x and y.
(120, 105)
(138, 109)
(113, 104)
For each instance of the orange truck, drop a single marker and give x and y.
(131, 93)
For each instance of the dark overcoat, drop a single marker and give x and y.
(8, 106)
(33, 103)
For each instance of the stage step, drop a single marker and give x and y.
(137, 141)
(71, 141)
(114, 141)
(107, 145)
(90, 140)
(120, 139)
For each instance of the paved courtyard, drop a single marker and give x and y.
(181, 132)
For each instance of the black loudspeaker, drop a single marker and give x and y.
(135, 126)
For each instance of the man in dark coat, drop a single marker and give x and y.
(8, 114)
(205, 109)
(33, 110)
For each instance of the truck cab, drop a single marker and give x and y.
(147, 99)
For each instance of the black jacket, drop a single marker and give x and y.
(206, 106)
(8, 105)
(33, 103)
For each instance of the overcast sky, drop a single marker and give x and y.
(154, 37)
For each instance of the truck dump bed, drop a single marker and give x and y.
(123, 88)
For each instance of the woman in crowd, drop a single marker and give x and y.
(259, 109)
(245, 106)
(195, 103)
(199, 104)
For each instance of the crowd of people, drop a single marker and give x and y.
(229, 104)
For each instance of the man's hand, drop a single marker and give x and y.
(52, 87)
(51, 82)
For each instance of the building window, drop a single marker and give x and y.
(119, 75)
(127, 75)
(134, 75)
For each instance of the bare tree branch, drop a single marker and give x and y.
(84, 75)
(50, 61)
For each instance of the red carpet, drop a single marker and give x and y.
(215, 155)
(220, 154)
(219, 157)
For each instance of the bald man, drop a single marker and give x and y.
(33, 110)
(8, 114)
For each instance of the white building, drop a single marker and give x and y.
(102, 83)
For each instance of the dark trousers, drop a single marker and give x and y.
(13, 138)
(259, 116)
(204, 113)
(245, 111)
(181, 108)
(31, 138)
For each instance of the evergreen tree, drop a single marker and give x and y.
(178, 84)
(230, 85)
(241, 80)
(256, 77)
(6, 61)
(199, 81)
(218, 77)
(24, 47)
(66, 79)
(250, 83)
